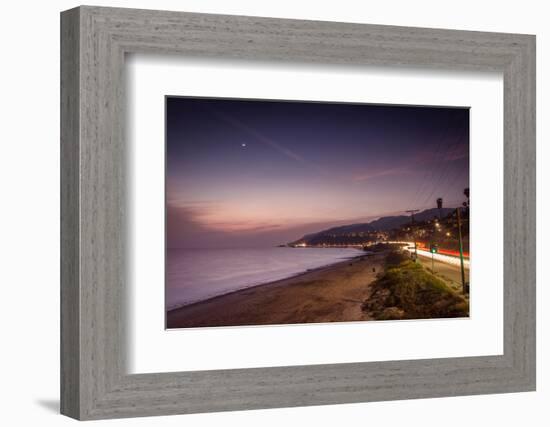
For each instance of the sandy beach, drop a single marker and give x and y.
(328, 294)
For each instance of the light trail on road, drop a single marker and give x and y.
(447, 259)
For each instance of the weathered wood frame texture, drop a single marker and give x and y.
(94, 41)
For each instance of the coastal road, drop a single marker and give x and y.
(448, 272)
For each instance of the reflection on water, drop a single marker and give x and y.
(196, 274)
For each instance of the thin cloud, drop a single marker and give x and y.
(260, 137)
(204, 215)
(453, 152)
(271, 143)
(380, 173)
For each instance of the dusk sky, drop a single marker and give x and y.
(249, 173)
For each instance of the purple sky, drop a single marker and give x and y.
(244, 173)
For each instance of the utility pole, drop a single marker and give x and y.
(464, 288)
(433, 250)
(412, 212)
(439, 206)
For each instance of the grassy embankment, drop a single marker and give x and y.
(405, 290)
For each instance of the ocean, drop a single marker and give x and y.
(194, 275)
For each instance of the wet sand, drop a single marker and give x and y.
(327, 294)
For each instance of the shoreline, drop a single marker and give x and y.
(329, 293)
(272, 282)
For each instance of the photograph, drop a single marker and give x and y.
(297, 212)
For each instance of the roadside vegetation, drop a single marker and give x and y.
(405, 290)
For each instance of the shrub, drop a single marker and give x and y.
(407, 291)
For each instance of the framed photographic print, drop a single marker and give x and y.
(251, 181)
(261, 213)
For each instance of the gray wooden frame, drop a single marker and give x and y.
(94, 382)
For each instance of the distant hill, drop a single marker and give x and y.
(431, 214)
(388, 223)
(361, 230)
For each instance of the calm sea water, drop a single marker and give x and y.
(196, 274)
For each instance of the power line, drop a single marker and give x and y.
(438, 160)
(425, 181)
(445, 170)
(446, 180)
